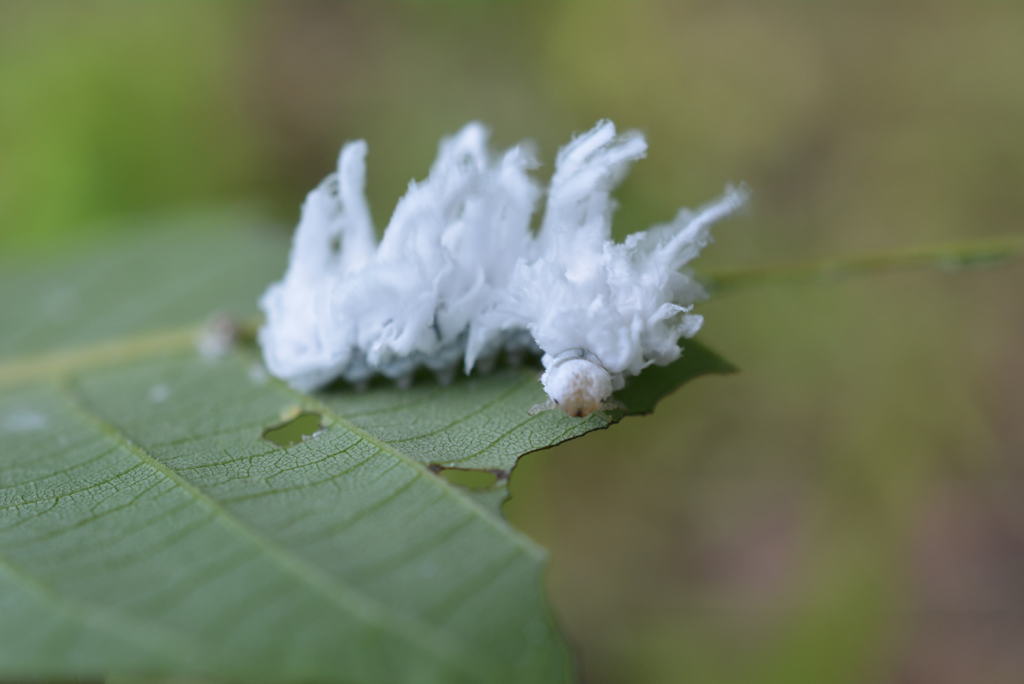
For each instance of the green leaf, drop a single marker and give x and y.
(981, 253)
(165, 513)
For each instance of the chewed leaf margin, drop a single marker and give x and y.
(141, 504)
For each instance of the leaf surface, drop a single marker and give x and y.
(157, 516)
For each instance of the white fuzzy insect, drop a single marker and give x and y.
(459, 275)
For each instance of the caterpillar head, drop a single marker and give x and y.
(578, 386)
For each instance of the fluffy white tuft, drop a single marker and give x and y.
(460, 276)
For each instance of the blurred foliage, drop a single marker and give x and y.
(115, 109)
(842, 510)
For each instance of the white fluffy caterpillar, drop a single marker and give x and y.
(460, 275)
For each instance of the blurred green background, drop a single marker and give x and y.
(846, 509)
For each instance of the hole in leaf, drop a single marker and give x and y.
(477, 479)
(294, 430)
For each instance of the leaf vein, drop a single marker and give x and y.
(350, 601)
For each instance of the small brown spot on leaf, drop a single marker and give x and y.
(218, 336)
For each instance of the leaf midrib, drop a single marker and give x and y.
(16, 370)
(521, 540)
(428, 638)
(61, 365)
